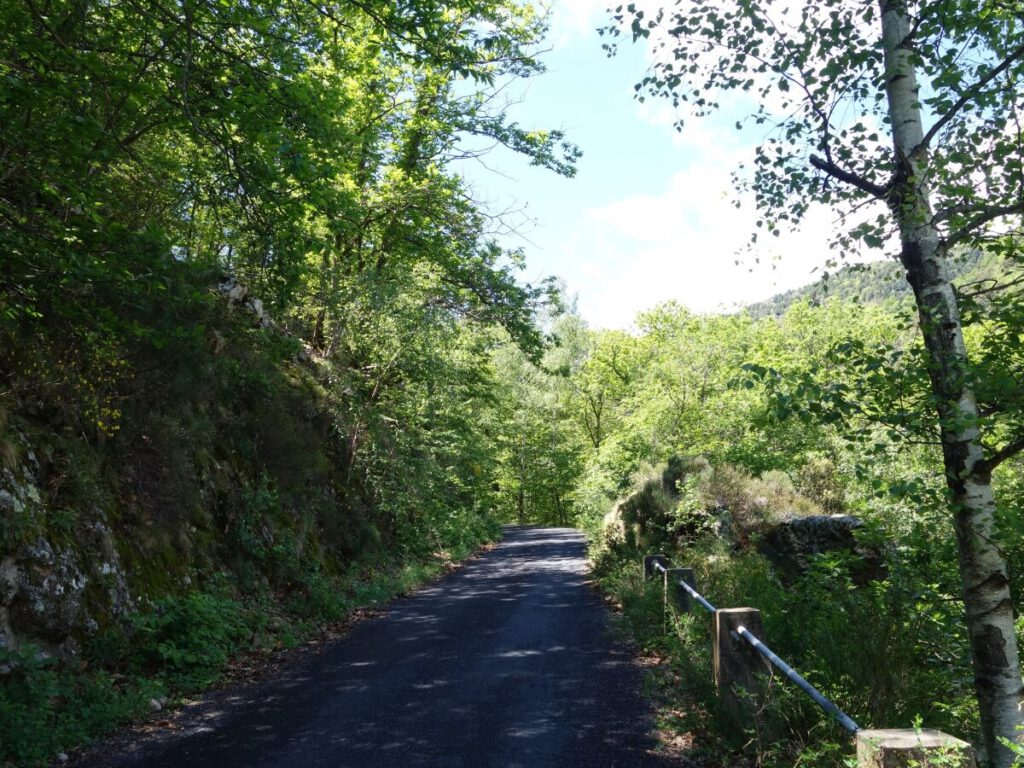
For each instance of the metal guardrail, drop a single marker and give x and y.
(743, 633)
(698, 597)
(841, 717)
(689, 590)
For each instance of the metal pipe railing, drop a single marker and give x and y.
(697, 596)
(743, 633)
(736, 671)
(843, 719)
(660, 568)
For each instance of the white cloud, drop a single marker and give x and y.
(573, 20)
(683, 243)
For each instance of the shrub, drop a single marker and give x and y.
(752, 503)
(188, 640)
(819, 480)
(825, 626)
(45, 706)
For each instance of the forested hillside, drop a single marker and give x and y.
(248, 315)
(878, 282)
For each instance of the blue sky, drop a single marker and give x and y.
(649, 216)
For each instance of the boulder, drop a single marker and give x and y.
(791, 544)
(238, 295)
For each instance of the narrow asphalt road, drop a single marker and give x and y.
(505, 663)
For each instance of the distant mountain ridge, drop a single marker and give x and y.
(876, 282)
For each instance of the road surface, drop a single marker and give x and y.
(506, 663)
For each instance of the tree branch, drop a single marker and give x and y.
(1008, 451)
(944, 214)
(968, 94)
(864, 185)
(987, 285)
(987, 214)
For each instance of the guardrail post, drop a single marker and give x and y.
(649, 561)
(739, 669)
(898, 748)
(675, 595)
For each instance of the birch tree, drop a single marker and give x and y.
(906, 117)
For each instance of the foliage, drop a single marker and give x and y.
(47, 706)
(825, 627)
(188, 639)
(252, 319)
(298, 157)
(176, 646)
(765, 466)
(897, 110)
(250, 314)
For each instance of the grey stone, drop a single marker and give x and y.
(9, 579)
(107, 571)
(255, 306)
(49, 601)
(238, 295)
(232, 289)
(8, 640)
(792, 544)
(8, 503)
(31, 492)
(38, 553)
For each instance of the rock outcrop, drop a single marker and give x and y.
(791, 545)
(238, 296)
(49, 591)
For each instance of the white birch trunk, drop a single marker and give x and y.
(983, 573)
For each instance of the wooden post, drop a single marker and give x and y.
(739, 669)
(649, 561)
(900, 748)
(676, 596)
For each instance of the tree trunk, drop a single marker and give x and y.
(983, 571)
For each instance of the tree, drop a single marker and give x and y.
(303, 148)
(831, 81)
(540, 447)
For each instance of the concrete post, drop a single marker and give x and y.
(649, 561)
(900, 748)
(675, 596)
(739, 669)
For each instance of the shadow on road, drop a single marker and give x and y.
(504, 663)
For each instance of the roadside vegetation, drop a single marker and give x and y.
(178, 646)
(249, 315)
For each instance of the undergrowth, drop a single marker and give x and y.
(880, 651)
